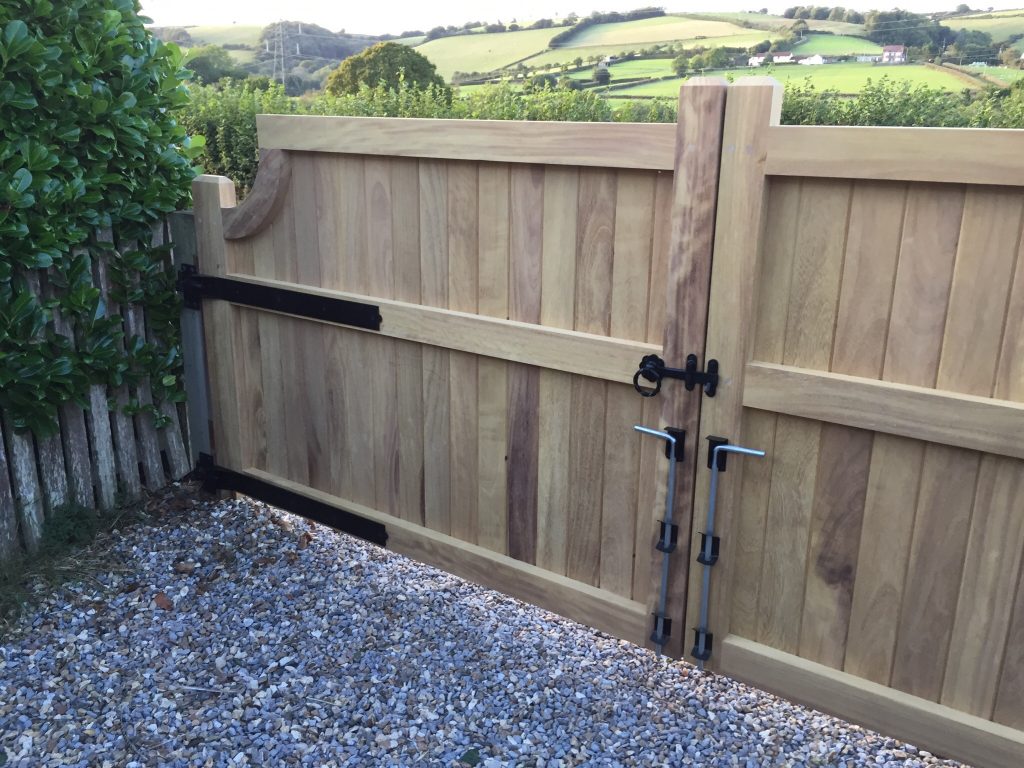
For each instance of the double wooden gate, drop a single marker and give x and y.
(449, 316)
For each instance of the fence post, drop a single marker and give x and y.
(753, 104)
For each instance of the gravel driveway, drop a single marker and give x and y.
(243, 636)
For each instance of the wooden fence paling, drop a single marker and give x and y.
(123, 431)
(8, 519)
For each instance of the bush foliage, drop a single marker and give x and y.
(88, 141)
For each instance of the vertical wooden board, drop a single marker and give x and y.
(989, 240)
(977, 305)
(433, 215)
(634, 234)
(948, 478)
(250, 387)
(463, 283)
(50, 455)
(595, 234)
(877, 211)
(748, 543)
(310, 376)
(101, 447)
(930, 232)
(525, 252)
(122, 429)
(652, 474)
(405, 225)
(494, 377)
(813, 300)
(991, 568)
(1010, 376)
(271, 373)
(884, 548)
(8, 519)
(871, 250)
(558, 292)
(769, 339)
(28, 496)
(1009, 705)
(790, 507)
(840, 487)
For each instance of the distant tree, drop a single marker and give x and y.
(386, 64)
(513, 27)
(178, 35)
(763, 47)
(681, 64)
(789, 13)
(499, 27)
(903, 28)
(799, 27)
(963, 8)
(602, 76)
(568, 84)
(763, 11)
(435, 33)
(853, 17)
(542, 24)
(413, 33)
(211, 63)
(578, 61)
(540, 83)
(972, 44)
(837, 14)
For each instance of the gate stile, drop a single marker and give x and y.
(485, 424)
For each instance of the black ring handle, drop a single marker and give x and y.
(651, 369)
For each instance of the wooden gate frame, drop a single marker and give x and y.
(755, 147)
(691, 149)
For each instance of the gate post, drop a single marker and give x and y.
(753, 105)
(694, 187)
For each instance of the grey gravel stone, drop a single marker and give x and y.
(283, 650)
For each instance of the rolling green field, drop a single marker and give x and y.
(780, 22)
(656, 30)
(484, 52)
(845, 78)
(836, 45)
(1000, 26)
(566, 55)
(1003, 74)
(227, 34)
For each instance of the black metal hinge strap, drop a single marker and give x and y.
(702, 641)
(708, 555)
(196, 287)
(216, 478)
(672, 541)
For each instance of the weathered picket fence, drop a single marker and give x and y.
(103, 455)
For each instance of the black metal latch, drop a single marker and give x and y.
(653, 369)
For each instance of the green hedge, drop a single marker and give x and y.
(88, 141)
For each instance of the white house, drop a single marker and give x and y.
(812, 61)
(894, 54)
(868, 57)
(756, 61)
(782, 57)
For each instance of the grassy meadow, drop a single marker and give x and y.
(845, 78)
(837, 45)
(483, 52)
(654, 30)
(226, 34)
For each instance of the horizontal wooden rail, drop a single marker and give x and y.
(618, 616)
(953, 155)
(934, 726)
(561, 350)
(605, 145)
(967, 421)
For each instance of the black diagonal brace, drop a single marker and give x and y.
(216, 478)
(196, 287)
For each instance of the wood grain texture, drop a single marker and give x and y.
(969, 156)
(595, 237)
(28, 495)
(752, 104)
(526, 243)
(495, 453)
(264, 201)
(931, 226)
(979, 423)
(946, 731)
(405, 234)
(433, 217)
(558, 294)
(603, 145)
(463, 286)
(1009, 704)
(9, 544)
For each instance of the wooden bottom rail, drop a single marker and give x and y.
(935, 727)
(618, 616)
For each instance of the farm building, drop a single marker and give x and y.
(811, 61)
(894, 54)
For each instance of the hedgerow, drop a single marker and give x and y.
(89, 141)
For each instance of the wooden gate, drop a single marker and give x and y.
(867, 308)
(520, 272)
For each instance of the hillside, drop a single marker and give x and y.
(1002, 25)
(484, 51)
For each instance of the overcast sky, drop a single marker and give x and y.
(394, 16)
